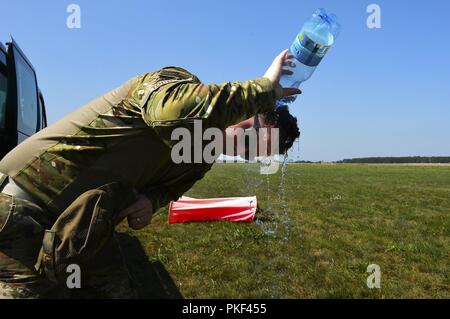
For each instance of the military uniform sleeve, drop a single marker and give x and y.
(218, 105)
(159, 198)
(162, 195)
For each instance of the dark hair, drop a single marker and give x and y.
(287, 125)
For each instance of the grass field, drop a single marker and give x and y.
(335, 221)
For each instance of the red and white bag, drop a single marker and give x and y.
(234, 209)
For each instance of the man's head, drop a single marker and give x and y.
(263, 125)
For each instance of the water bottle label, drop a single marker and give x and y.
(307, 51)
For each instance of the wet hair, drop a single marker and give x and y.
(287, 125)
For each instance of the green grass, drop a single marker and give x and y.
(342, 218)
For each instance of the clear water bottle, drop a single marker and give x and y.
(310, 46)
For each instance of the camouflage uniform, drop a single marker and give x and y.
(86, 167)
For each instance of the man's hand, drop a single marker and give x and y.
(138, 214)
(275, 71)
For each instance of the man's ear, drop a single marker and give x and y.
(248, 123)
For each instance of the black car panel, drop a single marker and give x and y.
(22, 112)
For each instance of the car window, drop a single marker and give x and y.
(27, 113)
(3, 90)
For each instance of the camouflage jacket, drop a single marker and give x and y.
(124, 135)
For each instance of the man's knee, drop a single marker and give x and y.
(83, 229)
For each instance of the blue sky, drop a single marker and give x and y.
(379, 92)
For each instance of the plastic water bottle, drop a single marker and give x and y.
(309, 48)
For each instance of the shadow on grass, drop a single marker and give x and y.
(151, 279)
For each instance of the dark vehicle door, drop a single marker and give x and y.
(24, 112)
(3, 96)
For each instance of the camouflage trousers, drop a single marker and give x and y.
(36, 249)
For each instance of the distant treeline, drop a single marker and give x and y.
(398, 160)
